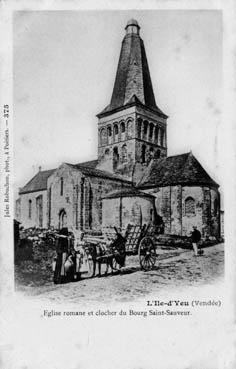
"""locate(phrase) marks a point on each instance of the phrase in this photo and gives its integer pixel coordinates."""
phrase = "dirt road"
(172, 269)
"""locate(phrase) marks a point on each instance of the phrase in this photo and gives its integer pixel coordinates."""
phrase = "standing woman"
(62, 246)
(81, 264)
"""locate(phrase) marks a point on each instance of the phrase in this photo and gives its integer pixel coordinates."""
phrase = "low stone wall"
(33, 263)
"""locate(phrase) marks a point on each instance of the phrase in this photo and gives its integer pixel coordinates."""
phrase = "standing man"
(195, 237)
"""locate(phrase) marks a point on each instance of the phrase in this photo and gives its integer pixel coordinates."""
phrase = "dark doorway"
(62, 219)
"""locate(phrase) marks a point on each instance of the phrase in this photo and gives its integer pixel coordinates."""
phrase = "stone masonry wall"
(176, 210)
(81, 199)
(126, 128)
(215, 213)
(136, 211)
(190, 220)
(120, 212)
(206, 212)
(170, 204)
(111, 212)
(32, 221)
(60, 201)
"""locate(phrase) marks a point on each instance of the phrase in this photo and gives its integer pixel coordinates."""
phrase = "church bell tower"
(132, 128)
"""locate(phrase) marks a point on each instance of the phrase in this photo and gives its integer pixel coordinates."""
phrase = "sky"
(64, 66)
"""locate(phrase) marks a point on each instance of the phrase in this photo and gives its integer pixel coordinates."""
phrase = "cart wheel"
(147, 253)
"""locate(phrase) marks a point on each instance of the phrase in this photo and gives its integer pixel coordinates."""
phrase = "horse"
(108, 254)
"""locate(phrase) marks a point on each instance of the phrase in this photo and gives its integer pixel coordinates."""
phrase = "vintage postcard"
(117, 185)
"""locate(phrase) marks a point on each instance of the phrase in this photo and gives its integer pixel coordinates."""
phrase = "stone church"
(133, 181)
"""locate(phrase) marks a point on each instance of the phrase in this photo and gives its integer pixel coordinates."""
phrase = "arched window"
(189, 206)
(109, 134)
(164, 138)
(122, 130)
(115, 157)
(145, 127)
(124, 153)
(107, 152)
(39, 210)
(139, 127)
(130, 128)
(151, 131)
(30, 209)
(156, 134)
(103, 136)
(116, 129)
(61, 186)
(88, 199)
(116, 132)
(62, 219)
(143, 154)
(215, 207)
(122, 127)
(109, 131)
(161, 137)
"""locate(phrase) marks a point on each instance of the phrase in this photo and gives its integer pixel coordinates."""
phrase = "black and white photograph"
(115, 170)
(129, 189)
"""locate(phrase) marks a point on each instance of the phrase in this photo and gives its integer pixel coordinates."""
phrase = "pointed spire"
(132, 76)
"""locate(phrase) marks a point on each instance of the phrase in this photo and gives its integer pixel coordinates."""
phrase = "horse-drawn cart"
(112, 248)
(140, 240)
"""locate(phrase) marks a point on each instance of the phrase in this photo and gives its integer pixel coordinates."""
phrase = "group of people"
(71, 259)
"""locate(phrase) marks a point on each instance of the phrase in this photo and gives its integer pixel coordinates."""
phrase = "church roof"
(133, 82)
(127, 192)
(91, 171)
(38, 182)
(90, 163)
(182, 169)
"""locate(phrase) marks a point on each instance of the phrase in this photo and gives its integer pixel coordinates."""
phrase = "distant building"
(33, 201)
(133, 180)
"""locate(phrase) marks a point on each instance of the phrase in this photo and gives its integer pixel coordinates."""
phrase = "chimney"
(40, 168)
